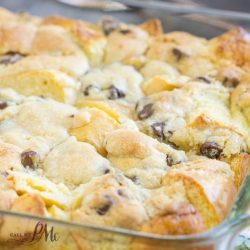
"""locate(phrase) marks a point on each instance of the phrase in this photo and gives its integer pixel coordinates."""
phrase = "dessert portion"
(120, 125)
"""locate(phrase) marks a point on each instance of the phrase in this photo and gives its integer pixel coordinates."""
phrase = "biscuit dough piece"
(74, 163)
(17, 37)
(10, 157)
(73, 65)
(160, 76)
(111, 200)
(33, 183)
(26, 203)
(91, 126)
(199, 179)
(240, 100)
(240, 165)
(232, 46)
(8, 195)
(129, 41)
(183, 51)
(115, 82)
(37, 124)
(140, 157)
(196, 114)
(86, 35)
(48, 83)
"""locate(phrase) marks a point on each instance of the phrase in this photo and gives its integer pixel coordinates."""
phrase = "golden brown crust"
(16, 38)
(200, 177)
(88, 36)
(240, 165)
(153, 27)
(53, 39)
(233, 46)
(182, 220)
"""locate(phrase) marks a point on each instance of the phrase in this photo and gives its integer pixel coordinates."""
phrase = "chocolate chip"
(104, 208)
(120, 192)
(158, 129)
(125, 31)
(211, 150)
(11, 58)
(72, 116)
(204, 79)
(3, 105)
(106, 171)
(178, 54)
(146, 112)
(109, 24)
(230, 82)
(115, 93)
(86, 90)
(30, 159)
(169, 160)
(134, 178)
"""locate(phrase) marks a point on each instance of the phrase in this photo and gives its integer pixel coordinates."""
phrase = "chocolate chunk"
(30, 159)
(11, 58)
(204, 79)
(104, 208)
(125, 31)
(178, 54)
(3, 105)
(169, 160)
(158, 129)
(109, 24)
(211, 150)
(146, 112)
(115, 93)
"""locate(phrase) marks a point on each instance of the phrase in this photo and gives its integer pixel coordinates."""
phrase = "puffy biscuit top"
(121, 125)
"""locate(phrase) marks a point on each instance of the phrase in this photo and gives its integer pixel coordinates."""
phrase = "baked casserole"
(121, 125)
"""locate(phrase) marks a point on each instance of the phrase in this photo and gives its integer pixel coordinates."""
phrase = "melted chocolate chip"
(211, 150)
(204, 79)
(30, 159)
(11, 58)
(178, 54)
(169, 160)
(3, 105)
(146, 112)
(109, 24)
(104, 208)
(158, 129)
(125, 31)
(72, 116)
(115, 93)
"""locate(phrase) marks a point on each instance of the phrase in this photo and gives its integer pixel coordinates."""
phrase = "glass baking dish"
(25, 231)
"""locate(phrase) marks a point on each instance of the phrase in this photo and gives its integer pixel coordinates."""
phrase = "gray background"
(206, 26)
